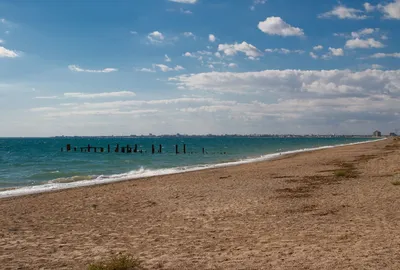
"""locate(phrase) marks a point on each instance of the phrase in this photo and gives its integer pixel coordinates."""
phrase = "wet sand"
(328, 209)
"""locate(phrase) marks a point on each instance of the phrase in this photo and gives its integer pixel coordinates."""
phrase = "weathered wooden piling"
(75, 149)
(88, 148)
(160, 149)
(68, 147)
(117, 148)
(176, 149)
(135, 149)
(153, 149)
(203, 151)
(128, 149)
(108, 148)
(184, 148)
(122, 149)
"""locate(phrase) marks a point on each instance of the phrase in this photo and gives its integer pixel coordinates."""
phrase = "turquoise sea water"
(35, 162)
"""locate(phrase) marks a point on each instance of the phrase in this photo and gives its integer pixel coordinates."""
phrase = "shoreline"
(10, 192)
(327, 209)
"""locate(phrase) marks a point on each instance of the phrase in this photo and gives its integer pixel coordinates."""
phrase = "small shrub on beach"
(340, 173)
(118, 262)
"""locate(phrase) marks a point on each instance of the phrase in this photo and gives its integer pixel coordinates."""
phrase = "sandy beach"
(328, 209)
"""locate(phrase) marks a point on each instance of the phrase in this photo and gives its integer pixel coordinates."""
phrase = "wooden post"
(95, 149)
(68, 147)
(88, 148)
(184, 148)
(117, 148)
(102, 149)
(160, 150)
(135, 149)
(176, 149)
(75, 149)
(203, 151)
(108, 148)
(122, 149)
(153, 150)
(128, 149)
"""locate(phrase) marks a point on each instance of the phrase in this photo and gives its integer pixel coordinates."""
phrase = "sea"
(33, 165)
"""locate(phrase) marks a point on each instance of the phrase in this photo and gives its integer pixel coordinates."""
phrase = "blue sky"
(199, 66)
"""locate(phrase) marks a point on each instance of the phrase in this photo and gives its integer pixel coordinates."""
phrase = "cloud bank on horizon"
(199, 67)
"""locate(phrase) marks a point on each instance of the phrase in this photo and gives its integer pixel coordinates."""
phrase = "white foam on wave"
(144, 173)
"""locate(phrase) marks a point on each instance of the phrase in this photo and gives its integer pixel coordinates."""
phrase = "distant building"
(377, 133)
(392, 134)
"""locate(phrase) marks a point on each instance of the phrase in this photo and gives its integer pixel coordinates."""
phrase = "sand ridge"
(297, 212)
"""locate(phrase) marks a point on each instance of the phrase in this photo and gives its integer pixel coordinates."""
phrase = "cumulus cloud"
(156, 37)
(232, 49)
(336, 52)
(284, 51)
(165, 68)
(276, 26)
(343, 12)
(313, 55)
(145, 70)
(364, 32)
(318, 47)
(232, 65)
(363, 43)
(368, 7)
(391, 10)
(211, 38)
(167, 59)
(6, 53)
(76, 68)
(100, 95)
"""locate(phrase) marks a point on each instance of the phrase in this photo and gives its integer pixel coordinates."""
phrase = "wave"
(82, 181)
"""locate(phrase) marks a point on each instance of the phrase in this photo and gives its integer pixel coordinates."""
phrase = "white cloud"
(145, 70)
(78, 69)
(295, 82)
(313, 55)
(184, 1)
(211, 38)
(133, 32)
(232, 65)
(276, 26)
(363, 43)
(384, 55)
(257, 2)
(284, 51)
(7, 53)
(232, 49)
(188, 54)
(336, 52)
(167, 59)
(384, 37)
(364, 32)
(156, 37)
(376, 66)
(318, 47)
(185, 11)
(165, 68)
(391, 10)
(189, 34)
(368, 7)
(47, 97)
(1, 41)
(100, 95)
(343, 12)
(43, 109)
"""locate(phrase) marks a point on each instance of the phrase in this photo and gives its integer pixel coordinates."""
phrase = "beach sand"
(328, 209)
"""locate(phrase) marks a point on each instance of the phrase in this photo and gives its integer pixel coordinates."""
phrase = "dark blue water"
(37, 161)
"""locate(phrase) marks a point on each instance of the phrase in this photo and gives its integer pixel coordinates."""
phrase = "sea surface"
(37, 164)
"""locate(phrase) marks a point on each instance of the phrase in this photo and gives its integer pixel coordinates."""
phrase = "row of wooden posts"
(122, 149)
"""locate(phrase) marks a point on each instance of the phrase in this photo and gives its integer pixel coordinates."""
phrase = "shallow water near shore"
(37, 164)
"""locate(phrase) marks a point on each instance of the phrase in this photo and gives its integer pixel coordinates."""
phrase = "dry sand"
(291, 213)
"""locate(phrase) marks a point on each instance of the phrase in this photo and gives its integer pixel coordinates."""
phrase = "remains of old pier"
(128, 149)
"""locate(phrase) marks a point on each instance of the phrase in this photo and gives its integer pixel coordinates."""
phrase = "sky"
(126, 67)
